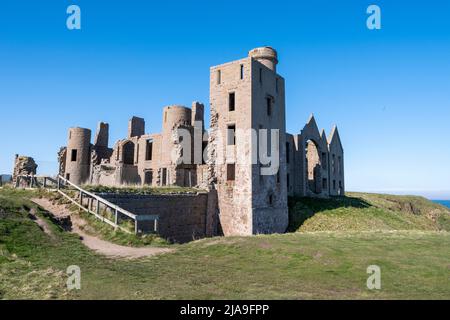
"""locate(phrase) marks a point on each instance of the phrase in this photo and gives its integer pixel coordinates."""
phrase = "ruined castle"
(247, 105)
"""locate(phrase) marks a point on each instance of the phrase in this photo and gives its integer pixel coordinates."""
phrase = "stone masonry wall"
(182, 216)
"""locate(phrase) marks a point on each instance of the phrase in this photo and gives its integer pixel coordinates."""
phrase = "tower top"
(266, 55)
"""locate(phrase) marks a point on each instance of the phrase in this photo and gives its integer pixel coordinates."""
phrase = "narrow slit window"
(219, 77)
(260, 75)
(287, 152)
(270, 200)
(231, 172)
(242, 72)
(324, 160)
(231, 101)
(74, 155)
(231, 135)
(269, 106)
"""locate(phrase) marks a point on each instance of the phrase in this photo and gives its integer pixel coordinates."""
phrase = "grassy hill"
(297, 265)
(367, 212)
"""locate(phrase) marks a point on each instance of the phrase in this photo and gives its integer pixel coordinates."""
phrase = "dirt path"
(94, 243)
(41, 223)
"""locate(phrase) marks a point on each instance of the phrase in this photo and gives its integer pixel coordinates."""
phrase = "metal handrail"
(108, 204)
(61, 181)
(101, 200)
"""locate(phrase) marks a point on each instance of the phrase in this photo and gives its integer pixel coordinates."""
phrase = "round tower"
(78, 158)
(174, 116)
(266, 55)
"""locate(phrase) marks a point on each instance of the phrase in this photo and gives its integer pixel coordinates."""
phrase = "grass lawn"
(299, 265)
(143, 190)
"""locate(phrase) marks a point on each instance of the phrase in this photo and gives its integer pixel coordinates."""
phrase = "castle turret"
(174, 116)
(265, 55)
(78, 155)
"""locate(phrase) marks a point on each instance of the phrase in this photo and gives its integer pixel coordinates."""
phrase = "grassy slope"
(102, 230)
(368, 212)
(142, 190)
(415, 264)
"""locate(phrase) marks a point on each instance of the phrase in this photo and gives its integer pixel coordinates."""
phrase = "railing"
(32, 181)
(89, 202)
(92, 204)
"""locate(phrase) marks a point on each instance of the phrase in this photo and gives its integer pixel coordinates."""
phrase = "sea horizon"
(445, 203)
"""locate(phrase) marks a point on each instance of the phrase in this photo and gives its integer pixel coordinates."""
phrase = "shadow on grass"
(301, 209)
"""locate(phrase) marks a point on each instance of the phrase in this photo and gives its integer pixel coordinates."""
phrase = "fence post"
(135, 226)
(98, 207)
(116, 218)
(156, 226)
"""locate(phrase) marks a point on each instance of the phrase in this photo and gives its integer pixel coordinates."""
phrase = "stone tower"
(174, 117)
(136, 127)
(78, 155)
(246, 96)
(102, 135)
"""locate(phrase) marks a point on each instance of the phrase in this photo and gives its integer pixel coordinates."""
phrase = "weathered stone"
(24, 166)
(62, 159)
(246, 96)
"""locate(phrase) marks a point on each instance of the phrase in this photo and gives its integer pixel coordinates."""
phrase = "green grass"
(104, 231)
(142, 190)
(415, 264)
(367, 212)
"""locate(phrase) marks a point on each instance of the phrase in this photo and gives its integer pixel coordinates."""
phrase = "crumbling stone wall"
(248, 202)
(62, 159)
(24, 166)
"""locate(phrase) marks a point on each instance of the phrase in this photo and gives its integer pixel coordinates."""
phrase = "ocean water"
(443, 202)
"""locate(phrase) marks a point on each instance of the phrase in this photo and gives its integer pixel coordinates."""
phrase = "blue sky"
(387, 90)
